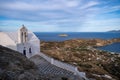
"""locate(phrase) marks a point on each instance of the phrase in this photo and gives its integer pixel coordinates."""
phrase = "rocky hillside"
(97, 64)
(15, 66)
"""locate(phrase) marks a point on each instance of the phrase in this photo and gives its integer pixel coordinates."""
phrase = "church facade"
(22, 41)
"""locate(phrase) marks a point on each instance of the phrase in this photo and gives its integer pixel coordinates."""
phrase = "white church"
(22, 41)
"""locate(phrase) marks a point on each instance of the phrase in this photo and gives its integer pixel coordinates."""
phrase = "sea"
(54, 36)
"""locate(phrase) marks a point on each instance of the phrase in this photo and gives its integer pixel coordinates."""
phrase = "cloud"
(89, 4)
(47, 9)
(58, 15)
(48, 5)
(52, 26)
(102, 25)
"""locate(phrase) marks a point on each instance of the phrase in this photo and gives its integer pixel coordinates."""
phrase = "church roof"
(31, 36)
(13, 36)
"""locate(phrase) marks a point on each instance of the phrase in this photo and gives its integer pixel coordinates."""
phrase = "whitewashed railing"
(46, 57)
(65, 66)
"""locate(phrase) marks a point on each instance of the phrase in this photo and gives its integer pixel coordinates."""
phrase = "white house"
(22, 41)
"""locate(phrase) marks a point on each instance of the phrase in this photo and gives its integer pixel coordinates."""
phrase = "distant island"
(63, 35)
(114, 31)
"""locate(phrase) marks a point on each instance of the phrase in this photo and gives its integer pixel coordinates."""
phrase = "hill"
(15, 66)
(114, 31)
(97, 64)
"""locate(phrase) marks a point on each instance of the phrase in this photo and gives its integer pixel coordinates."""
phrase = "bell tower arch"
(22, 34)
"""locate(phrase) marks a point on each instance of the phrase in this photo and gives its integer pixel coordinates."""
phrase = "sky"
(60, 15)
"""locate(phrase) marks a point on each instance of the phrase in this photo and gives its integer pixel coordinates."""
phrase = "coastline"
(112, 48)
(81, 53)
(53, 36)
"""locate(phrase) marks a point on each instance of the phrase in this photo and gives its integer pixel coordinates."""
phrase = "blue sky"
(60, 15)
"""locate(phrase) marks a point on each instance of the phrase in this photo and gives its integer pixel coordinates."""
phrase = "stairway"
(49, 69)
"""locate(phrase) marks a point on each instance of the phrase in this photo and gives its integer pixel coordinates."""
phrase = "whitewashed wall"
(20, 48)
(65, 65)
(34, 45)
(47, 58)
(33, 40)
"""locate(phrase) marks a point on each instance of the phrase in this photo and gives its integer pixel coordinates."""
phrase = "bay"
(54, 36)
(115, 47)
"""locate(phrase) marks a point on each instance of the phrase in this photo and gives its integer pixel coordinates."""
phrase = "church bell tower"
(22, 34)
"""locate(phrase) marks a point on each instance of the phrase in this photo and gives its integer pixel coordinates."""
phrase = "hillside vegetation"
(100, 65)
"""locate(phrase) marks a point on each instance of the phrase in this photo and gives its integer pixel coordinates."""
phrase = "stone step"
(48, 69)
